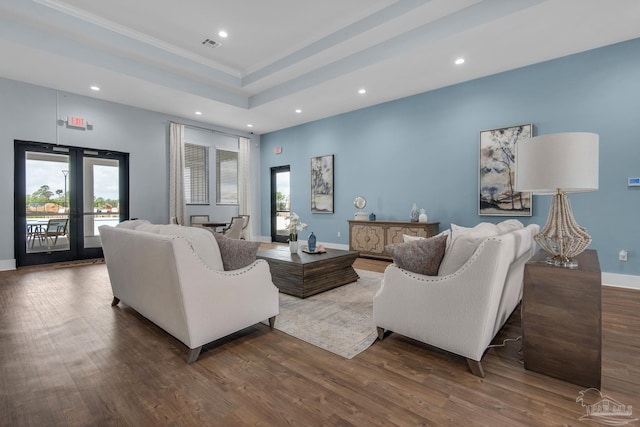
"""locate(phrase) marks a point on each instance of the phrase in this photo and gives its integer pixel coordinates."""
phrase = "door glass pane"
(47, 202)
(101, 197)
(283, 203)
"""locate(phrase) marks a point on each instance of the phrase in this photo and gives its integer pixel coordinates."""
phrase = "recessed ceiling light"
(459, 61)
(223, 34)
(362, 91)
(198, 113)
(298, 111)
(249, 125)
(96, 88)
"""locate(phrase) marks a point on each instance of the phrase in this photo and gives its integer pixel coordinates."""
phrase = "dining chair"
(245, 223)
(234, 230)
(198, 220)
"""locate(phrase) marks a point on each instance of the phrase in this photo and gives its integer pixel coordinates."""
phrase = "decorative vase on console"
(414, 213)
(311, 242)
(423, 216)
(293, 246)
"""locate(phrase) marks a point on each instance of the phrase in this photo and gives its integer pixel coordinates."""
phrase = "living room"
(419, 149)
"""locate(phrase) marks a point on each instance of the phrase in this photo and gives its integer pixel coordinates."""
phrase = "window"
(196, 174)
(226, 177)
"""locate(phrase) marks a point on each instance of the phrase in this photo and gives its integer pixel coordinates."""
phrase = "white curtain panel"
(177, 207)
(244, 184)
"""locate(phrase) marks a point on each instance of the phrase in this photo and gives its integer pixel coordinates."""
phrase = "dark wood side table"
(561, 319)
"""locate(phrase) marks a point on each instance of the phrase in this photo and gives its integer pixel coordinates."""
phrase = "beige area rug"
(339, 320)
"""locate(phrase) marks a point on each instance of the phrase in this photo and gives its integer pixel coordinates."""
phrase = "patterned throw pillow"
(236, 253)
(420, 256)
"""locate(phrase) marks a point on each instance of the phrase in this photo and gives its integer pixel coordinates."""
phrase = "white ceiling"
(282, 55)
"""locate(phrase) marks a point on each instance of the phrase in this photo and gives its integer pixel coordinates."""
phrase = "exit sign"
(76, 122)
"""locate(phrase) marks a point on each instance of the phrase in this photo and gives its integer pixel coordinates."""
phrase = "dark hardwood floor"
(68, 358)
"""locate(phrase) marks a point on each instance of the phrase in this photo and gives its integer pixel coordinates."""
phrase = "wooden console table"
(561, 319)
(370, 237)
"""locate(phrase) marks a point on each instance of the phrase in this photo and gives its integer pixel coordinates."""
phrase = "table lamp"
(558, 164)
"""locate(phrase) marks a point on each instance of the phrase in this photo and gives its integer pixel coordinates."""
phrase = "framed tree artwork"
(322, 184)
(497, 195)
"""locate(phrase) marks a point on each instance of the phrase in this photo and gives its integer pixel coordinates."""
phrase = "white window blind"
(196, 174)
(226, 177)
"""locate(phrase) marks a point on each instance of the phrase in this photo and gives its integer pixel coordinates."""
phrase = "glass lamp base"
(562, 262)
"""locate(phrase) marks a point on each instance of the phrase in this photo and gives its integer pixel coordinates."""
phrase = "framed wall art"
(322, 184)
(497, 195)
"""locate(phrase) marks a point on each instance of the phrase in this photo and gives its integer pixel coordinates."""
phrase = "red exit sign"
(76, 122)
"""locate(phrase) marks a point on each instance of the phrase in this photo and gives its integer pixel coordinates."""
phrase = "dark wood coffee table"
(302, 274)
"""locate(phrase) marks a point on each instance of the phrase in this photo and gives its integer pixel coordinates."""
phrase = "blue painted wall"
(424, 149)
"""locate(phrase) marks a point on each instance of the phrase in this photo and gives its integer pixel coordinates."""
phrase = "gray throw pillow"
(236, 253)
(420, 256)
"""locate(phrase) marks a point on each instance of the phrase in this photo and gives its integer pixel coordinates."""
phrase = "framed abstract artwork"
(497, 195)
(322, 184)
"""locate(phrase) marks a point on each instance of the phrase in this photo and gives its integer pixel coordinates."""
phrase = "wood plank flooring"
(68, 358)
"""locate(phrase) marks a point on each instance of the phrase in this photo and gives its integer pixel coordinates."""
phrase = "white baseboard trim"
(621, 280)
(7, 264)
(335, 246)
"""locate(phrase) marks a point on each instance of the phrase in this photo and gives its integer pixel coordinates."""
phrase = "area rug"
(339, 320)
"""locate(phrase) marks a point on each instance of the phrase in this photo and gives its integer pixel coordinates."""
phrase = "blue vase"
(311, 241)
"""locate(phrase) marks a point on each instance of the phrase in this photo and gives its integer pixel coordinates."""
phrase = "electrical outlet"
(622, 255)
(339, 234)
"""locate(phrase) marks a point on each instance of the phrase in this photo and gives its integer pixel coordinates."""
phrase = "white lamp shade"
(565, 161)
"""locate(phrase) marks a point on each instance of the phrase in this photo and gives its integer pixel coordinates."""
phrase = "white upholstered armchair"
(460, 312)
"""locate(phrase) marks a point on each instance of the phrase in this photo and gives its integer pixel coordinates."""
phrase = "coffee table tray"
(306, 250)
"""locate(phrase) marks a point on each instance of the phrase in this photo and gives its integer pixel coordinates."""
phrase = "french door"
(280, 203)
(62, 195)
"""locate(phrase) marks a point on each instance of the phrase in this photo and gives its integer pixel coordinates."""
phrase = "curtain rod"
(211, 130)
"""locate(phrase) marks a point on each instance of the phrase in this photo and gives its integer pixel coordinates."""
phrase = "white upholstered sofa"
(462, 308)
(174, 276)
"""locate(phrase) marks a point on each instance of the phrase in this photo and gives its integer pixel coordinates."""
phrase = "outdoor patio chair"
(55, 228)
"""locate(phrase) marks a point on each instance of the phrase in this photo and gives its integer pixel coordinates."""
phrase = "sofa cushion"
(236, 253)
(149, 228)
(407, 238)
(464, 242)
(132, 223)
(421, 256)
(201, 240)
(509, 225)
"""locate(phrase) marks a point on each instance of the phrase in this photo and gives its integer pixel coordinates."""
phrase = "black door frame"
(274, 205)
(76, 251)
